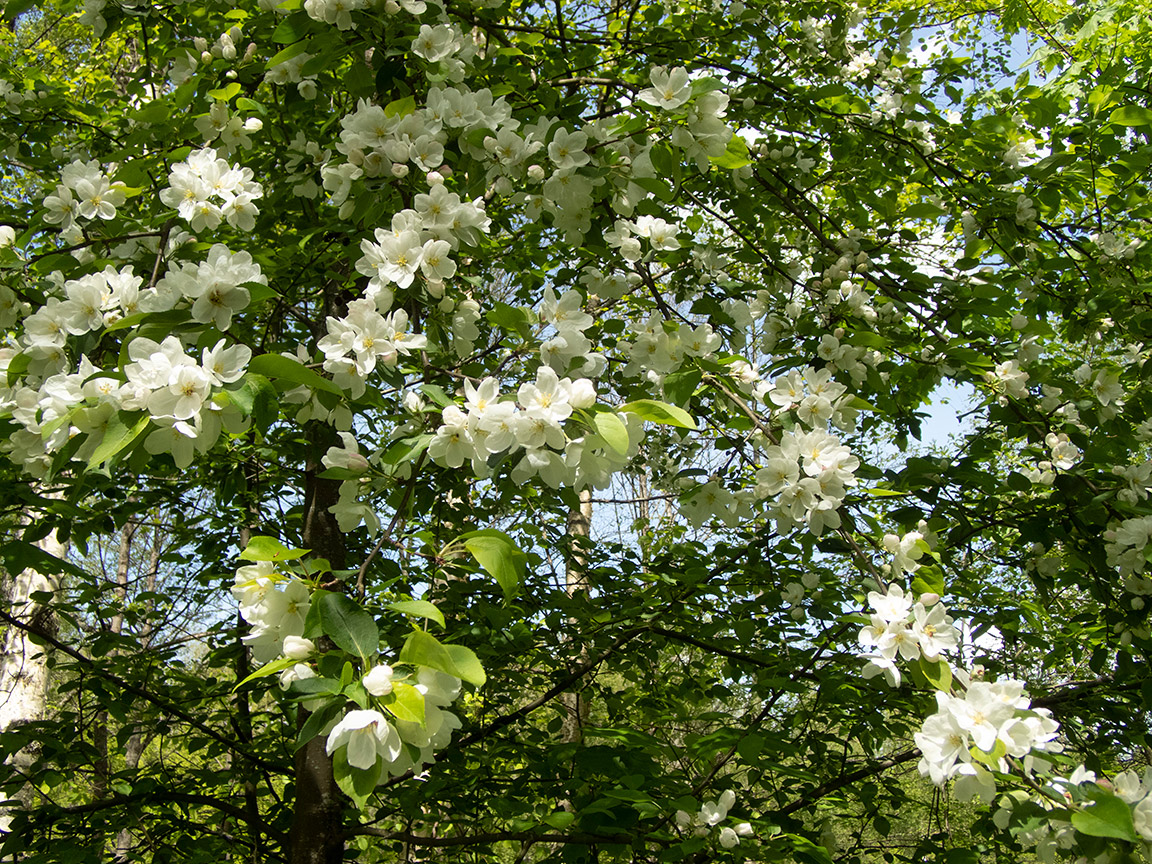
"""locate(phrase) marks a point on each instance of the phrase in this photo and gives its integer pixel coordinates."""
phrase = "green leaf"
(512, 319)
(735, 155)
(346, 624)
(406, 449)
(13, 8)
(659, 412)
(561, 819)
(1108, 816)
(270, 549)
(225, 94)
(246, 104)
(999, 750)
(17, 367)
(938, 673)
(407, 703)
(436, 394)
(1018, 482)
(400, 107)
(929, 579)
(292, 28)
(1131, 115)
(287, 369)
(123, 428)
(286, 54)
(270, 668)
(423, 649)
(418, 608)
(611, 428)
(660, 188)
(317, 720)
(499, 555)
(357, 783)
(20, 555)
(679, 386)
(923, 210)
(664, 160)
(256, 398)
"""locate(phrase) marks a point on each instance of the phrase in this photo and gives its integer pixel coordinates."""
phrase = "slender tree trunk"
(24, 664)
(103, 768)
(316, 835)
(575, 579)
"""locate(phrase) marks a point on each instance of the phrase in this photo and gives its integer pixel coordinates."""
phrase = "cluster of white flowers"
(1048, 836)
(274, 605)
(1113, 247)
(231, 129)
(349, 511)
(1139, 480)
(534, 424)
(383, 141)
(1026, 214)
(363, 338)
(335, 12)
(1125, 550)
(291, 71)
(656, 346)
(1104, 384)
(814, 396)
(215, 286)
(13, 100)
(52, 403)
(994, 718)
(810, 474)
(670, 88)
(711, 814)
(1009, 380)
(794, 594)
(1136, 791)
(660, 234)
(420, 241)
(567, 318)
(370, 738)
(84, 192)
(205, 189)
(1064, 455)
(378, 142)
(901, 625)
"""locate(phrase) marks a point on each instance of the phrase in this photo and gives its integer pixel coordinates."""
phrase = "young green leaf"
(423, 649)
(346, 624)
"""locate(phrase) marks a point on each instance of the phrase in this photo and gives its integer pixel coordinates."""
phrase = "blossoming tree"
(551, 372)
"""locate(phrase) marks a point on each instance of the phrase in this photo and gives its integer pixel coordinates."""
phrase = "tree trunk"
(316, 835)
(138, 741)
(575, 579)
(24, 664)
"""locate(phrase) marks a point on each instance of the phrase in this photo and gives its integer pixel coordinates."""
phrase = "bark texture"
(317, 832)
(24, 664)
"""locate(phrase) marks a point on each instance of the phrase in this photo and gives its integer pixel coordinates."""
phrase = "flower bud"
(298, 648)
(582, 394)
(378, 682)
